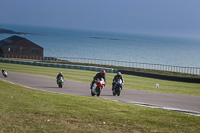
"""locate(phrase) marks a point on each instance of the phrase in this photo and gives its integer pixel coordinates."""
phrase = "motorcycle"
(97, 87)
(60, 82)
(117, 88)
(5, 74)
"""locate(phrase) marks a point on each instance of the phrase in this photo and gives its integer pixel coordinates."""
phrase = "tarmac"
(166, 101)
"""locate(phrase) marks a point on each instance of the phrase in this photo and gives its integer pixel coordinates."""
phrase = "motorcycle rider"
(3, 70)
(116, 78)
(99, 75)
(59, 75)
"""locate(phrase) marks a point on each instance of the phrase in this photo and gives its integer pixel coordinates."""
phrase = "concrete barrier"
(69, 66)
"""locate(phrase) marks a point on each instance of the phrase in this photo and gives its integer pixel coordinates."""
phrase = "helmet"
(60, 72)
(103, 71)
(3, 69)
(118, 73)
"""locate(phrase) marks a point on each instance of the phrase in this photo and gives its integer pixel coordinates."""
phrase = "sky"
(167, 17)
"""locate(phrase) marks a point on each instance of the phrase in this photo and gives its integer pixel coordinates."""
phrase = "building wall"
(23, 49)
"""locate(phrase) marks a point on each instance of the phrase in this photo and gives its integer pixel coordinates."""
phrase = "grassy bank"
(116, 67)
(28, 110)
(132, 82)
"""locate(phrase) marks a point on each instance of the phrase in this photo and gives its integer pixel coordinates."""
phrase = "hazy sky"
(138, 16)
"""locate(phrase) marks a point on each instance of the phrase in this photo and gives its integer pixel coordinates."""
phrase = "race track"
(182, 103)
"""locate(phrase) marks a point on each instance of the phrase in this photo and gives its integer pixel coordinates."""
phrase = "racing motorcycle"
(97, 87)
(5, 74)
(60, 82)
(117, 87)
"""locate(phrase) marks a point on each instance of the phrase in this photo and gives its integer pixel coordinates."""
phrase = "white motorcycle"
(60, 82)
(97, 87)
(5, 74)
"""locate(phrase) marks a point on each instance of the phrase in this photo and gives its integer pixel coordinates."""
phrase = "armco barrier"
(164, 77)
(90, 68)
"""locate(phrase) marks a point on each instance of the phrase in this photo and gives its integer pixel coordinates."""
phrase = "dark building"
(19, 47)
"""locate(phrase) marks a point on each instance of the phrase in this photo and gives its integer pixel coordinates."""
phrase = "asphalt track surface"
(181, 103)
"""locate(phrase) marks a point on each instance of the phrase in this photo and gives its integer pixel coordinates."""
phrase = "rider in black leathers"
(3, 70)
(99, 76)
(118, 76)
(59, 75)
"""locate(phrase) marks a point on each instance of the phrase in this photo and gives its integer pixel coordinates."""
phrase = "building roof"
(10, 40)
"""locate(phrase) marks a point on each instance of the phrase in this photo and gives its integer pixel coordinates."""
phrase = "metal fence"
(160, 67)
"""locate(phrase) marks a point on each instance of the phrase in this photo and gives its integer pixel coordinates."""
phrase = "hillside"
(5, 31)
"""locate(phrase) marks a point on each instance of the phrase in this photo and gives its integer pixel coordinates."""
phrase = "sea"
(61, 42)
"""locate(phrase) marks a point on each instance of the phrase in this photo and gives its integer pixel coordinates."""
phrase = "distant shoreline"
(94, 37)
(5, 31)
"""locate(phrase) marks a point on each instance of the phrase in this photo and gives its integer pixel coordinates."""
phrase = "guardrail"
(90, 68)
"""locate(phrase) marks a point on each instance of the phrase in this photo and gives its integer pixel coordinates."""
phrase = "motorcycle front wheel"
(60, 85)
(92, 93)
(118, 91)
(98, 91)
(114, 92)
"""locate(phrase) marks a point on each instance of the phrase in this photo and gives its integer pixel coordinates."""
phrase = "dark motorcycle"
(117, 87)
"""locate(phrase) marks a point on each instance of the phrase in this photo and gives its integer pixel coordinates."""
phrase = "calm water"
(112, 46)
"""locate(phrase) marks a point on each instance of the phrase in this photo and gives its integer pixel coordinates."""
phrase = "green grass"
(28, 110)
(132, 82)
(110, 66)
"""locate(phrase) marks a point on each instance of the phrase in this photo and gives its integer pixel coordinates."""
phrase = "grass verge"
(111, 66)
(27, 110)
(132, 82)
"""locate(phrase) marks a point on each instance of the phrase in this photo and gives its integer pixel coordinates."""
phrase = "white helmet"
(60, 72)
(118, 73)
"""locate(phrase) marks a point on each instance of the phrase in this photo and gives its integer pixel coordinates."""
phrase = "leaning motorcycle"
(97, 87)
(5, 74)
(60, 82)
(117, 87)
